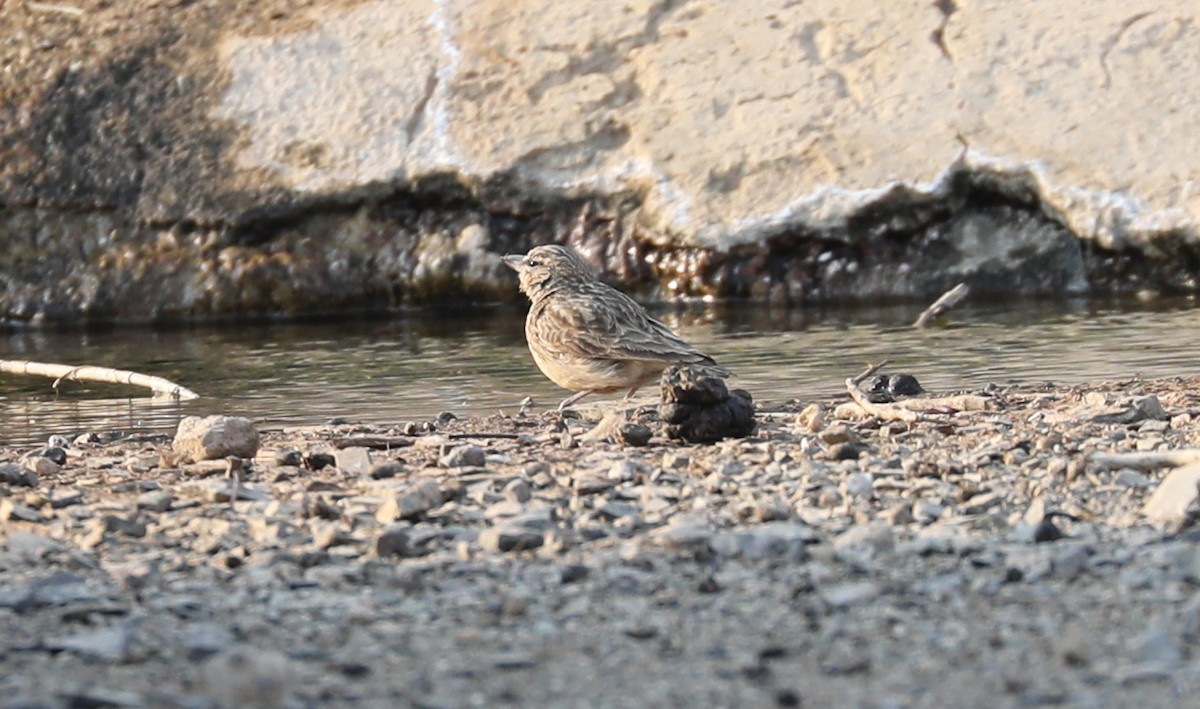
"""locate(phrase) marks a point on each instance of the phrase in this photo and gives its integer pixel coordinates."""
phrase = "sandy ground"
(985, 557)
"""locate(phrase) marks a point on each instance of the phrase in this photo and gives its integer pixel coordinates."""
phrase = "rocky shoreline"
(996, 557)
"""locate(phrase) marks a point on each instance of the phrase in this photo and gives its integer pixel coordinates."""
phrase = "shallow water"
(414, 367)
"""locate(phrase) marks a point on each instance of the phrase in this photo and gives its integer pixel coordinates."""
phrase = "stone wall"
(164, 160)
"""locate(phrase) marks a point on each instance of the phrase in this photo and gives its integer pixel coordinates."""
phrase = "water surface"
(412, 368)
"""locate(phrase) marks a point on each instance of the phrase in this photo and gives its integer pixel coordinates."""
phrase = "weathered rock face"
(175, 161)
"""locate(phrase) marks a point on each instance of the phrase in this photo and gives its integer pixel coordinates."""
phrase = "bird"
(589, 337)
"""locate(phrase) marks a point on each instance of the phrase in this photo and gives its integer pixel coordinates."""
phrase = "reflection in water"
(410, 369)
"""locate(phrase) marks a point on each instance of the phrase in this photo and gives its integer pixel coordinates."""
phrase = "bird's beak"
(514, 261)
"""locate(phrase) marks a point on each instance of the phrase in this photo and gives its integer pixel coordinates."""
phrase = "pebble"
(876, 537)
(413, 503)
(45, 467)
(61, 499)
(510, 537)
(633, 434)
(387, 470)
(202, 640)
(850, 594)
(517, 490)
(393, 541)
(1171, 502)
(353, 460)
(463, 456)
(10, 510)
(111, 644)
(155, 501)
(18, 475)
(214, 437)
(246, 676)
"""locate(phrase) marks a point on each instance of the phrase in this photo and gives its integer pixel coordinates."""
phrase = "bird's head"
(547, 267)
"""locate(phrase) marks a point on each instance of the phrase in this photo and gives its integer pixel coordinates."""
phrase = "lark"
(589, 337)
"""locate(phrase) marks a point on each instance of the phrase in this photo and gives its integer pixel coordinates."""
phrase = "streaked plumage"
(587, 336)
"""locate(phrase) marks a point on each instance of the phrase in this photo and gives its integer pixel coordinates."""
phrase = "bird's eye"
(532, 263)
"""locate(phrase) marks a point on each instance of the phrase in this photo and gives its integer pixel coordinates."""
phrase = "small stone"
(329, 534)
(1127, 477)
(981, 503)
(1047, 531)
(393, 541)
(93, 697)
(514, 661)
(517, 490)
(875, 537)
(850, 594)
(838, 434)
(848, 450)
(10, 510)
(60, 499)
(633, 434)
(245, 676)
(927, 511)
(810, 420)
(617, 510)
(777, 539)
(684, 535)
(214, 437)
(318, 461)
(203, 640)
(354, 460)
(222, 491)
(290, 457)
(573, 573)
(1173, 499)
(387, 470)
(904, 385)
(592, 485)
(18, 475)
(111, 644)
(675, 461)
(130, 527)
(415, 502)
(1160, 648)
(155, 501)
(625, 470)
(463, 457)
(45, 467)
(509, 538)
(899, 514)
(537, 518)
(860, 485)
(503, 509)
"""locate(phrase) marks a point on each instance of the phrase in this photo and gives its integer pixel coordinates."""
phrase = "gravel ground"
(967, 558)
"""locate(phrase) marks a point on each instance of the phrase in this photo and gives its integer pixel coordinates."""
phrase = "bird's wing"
(596, 321)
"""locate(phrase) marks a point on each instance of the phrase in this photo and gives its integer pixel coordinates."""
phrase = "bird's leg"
(632, 390)
(573, 398)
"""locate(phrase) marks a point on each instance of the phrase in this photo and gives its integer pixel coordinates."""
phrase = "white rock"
(214, 437)
(1168, 506)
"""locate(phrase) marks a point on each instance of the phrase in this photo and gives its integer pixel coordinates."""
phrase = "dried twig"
(868, 372)
(373, 442)
(1148, 461)
(948, 300)
(883, 411)
(886, 412)
(160, 386)
(52, 7)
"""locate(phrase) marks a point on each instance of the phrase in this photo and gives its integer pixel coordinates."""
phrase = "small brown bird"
(587, 336)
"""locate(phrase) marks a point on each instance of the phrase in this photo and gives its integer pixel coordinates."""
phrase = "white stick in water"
(160, 386)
